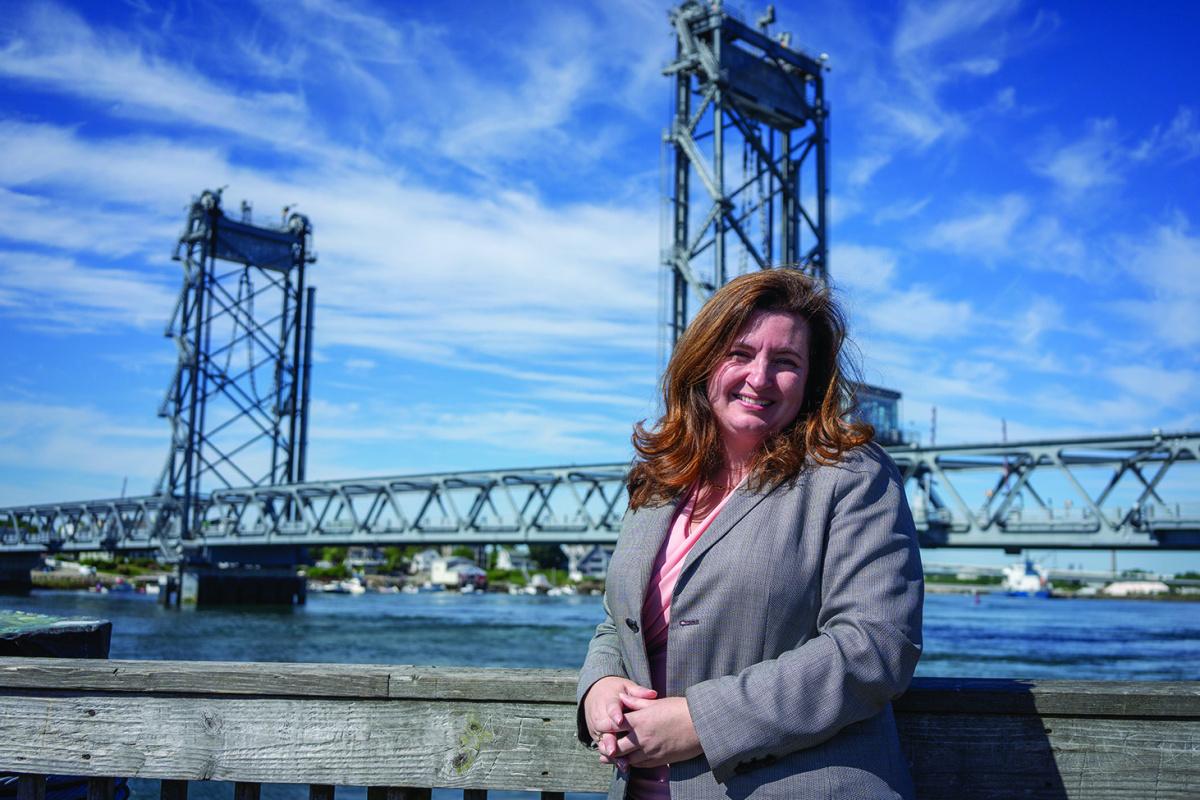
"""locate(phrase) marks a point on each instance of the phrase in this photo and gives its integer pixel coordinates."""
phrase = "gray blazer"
(796, 619)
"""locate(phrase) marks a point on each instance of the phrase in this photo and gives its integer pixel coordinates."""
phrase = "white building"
(1135, 588)
(588, 561)
(455, 571)
(517, 558)
(423, 561)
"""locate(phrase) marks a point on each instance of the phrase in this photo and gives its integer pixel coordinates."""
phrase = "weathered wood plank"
(289, 680)
(461, 683)
(1177, 699)
(393, 727)
(927, 695)
(461, 744)
(31, 787)
(195, 677)
(991, 757)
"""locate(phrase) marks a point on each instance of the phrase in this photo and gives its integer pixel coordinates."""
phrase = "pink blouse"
(654, 783)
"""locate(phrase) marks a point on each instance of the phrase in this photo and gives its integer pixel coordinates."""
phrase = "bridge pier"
(14, 572)
(245, 576)
(239, 586)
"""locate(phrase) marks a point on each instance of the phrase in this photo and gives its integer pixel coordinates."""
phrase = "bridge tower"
(238, 399)
(749, 146)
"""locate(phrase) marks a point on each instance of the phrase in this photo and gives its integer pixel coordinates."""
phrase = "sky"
(1015, 225)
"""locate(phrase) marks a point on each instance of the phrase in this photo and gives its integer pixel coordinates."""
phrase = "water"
(994, 637)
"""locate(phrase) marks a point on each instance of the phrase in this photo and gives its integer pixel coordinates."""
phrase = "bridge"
(1131, 492)
(234, 488)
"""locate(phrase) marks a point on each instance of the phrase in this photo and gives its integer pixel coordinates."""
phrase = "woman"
(763, 604)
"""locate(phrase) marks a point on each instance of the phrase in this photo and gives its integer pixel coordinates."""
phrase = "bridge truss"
(749, 143)
(237, 401)
(1133, 492)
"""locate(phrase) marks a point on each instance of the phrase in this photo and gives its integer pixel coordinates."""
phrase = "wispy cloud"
(927, 24)
(57, 50)
(1166, 264)
(984, 233)
(59, 294)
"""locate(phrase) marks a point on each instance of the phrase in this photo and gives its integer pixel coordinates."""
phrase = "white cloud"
(57, 50)
(80, 441)
(865, 167)
(985, 234)
(901, 210)
(1155, 385)
(1093, 161)
(1166, 263)
(917, 313)
(58, 293)
(1042, 314)
(925, 25)
(862, 267)
(1179, 141)
(360, 364)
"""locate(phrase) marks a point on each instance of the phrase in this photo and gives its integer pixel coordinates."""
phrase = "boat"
(1026, 580)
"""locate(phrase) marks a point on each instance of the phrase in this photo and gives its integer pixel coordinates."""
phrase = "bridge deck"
(1116, 492)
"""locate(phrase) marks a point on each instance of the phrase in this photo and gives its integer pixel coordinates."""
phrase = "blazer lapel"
(653, 524)
(650, 527)
(741, 504)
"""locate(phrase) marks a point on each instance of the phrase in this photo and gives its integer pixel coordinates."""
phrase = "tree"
(548, 556)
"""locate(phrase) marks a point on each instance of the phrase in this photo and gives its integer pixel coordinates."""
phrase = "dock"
(403, 730)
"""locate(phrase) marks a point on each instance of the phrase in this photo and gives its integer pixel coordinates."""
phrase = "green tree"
(548, 556)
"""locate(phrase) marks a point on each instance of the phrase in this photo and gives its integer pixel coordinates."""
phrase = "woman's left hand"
(659, 732)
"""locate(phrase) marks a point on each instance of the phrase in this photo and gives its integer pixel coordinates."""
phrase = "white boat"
(1027, 580)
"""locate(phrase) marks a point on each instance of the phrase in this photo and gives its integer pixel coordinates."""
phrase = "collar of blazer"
(651, 525)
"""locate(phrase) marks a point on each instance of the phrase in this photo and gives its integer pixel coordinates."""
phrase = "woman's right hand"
(604, 713)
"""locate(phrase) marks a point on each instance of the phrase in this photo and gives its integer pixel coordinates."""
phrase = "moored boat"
(1027, 580)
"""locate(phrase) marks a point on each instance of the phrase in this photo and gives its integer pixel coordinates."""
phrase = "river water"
(988, 636)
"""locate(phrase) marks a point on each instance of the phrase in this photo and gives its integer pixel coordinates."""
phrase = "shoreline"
(71, 581)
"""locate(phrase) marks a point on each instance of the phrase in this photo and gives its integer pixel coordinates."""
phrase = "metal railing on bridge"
(1116, 492)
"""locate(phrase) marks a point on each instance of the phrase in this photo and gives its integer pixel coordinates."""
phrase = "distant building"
(1135, 588)
(456, 571)
(589, 562)
(423, 561)
(517, 558)
(881, 408)
(366, 560)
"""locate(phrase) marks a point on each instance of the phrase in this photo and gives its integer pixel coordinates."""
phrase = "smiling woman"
(764, 599)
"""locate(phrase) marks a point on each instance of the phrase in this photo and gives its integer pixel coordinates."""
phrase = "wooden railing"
(401, 730)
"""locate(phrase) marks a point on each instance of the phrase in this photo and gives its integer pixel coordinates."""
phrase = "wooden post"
(31, 787)
(173, 790)
(100, 789)
(243, 790)
(320, 791)
(398, 793)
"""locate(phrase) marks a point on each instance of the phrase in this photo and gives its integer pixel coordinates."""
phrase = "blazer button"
(633, 626)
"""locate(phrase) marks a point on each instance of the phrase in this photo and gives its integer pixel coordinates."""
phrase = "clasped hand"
(633, 727)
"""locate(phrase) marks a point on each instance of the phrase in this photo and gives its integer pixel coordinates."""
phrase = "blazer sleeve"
(868, 634)
(603, 659)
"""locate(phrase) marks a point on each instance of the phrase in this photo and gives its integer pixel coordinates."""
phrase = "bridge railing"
(1113, 492)
(401, 731)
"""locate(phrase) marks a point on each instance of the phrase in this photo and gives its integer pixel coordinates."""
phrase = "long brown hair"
(684, 446)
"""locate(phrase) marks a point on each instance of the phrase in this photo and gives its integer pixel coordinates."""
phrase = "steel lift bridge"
(748, 140)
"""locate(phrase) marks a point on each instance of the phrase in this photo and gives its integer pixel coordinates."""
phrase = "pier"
(403, 730)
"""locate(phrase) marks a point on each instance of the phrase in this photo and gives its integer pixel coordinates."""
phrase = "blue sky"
(1015, 218)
